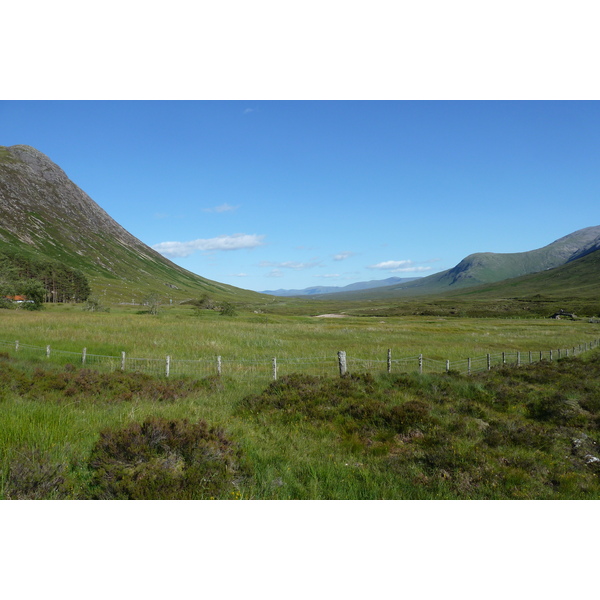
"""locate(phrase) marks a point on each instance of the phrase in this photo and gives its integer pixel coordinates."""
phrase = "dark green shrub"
(414, 413)
(161, 459)
(33, 476)
(228, 310)
(556, 409)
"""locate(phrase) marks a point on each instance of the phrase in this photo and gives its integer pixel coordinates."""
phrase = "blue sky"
(289, 194)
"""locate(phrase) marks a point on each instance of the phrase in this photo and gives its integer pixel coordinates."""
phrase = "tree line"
(40, 279)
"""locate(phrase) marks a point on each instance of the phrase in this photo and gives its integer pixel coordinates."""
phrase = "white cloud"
(222, 208)
(275, 273)
(237, 241)
(343, 255)
(239, 275)
(296, 266)
(391, 264)
(329, 276)
(399, 266)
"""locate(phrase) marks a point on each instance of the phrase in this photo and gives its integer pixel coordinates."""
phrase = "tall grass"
(179, 334)
(504, 434)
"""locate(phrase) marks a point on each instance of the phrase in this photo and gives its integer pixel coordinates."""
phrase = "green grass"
(180, 334)
(511, 433)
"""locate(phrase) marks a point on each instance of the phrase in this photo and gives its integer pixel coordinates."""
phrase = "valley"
(92, 408)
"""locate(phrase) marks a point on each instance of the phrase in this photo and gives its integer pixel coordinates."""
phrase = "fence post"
(122, 361)
(530, 357)
(219, 366)
(559, 353)
(504, 358)
(168, 366)
(274, 369)
(83, 355)
(342, 362)
(420, 364)
(550, 354)
(389, 360)
(489, 362)
(518, 359)
(468, 366)
(447, 366)
(17, 346)
(48, 351)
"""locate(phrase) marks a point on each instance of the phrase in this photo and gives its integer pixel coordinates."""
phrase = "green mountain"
(489, 267)
(579, 278)
(45, 215)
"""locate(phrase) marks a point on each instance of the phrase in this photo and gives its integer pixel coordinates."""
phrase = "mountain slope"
(324, 289)
(488, 267)
(43, 213)
(578, 278)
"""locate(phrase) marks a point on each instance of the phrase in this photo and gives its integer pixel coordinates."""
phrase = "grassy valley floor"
(531, 432)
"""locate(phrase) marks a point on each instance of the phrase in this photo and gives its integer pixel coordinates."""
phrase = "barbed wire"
(272, 367)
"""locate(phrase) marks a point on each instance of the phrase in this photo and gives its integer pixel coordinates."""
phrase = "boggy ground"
(514, 433)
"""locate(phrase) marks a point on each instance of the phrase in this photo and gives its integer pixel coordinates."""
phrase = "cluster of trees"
(40, 280)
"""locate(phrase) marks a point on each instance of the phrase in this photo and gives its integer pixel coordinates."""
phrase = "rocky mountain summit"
(43, 213)
(40, 205)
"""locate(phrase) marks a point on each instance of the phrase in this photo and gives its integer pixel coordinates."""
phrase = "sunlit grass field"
(178, 332)
(364, 449)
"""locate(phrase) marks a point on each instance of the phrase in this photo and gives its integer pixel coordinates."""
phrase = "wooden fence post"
(219, 366)
(420, 364)
(83, 355)
(389, 360)
(274, 369)
(468, 366)
(518, 359)
(342, 362)
(489, 362)
(17, 346)
(48, 351)
(168, 366)
(447, 366)
(550, 354)
(504, 358)
(122, 361)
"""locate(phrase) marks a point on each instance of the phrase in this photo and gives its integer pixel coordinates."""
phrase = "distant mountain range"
(489, 267)
(44, 214)
(323, 289)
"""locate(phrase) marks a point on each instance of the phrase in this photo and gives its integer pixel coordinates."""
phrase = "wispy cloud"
(237, 241)
(221, 208)
(296, 266)
(275, 273)
(330, 276)
(343, 255)
(247, 111)
(399, 266)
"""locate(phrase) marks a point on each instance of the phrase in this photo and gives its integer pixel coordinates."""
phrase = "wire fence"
(273, 368)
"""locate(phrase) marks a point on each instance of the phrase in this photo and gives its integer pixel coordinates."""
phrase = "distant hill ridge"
(43, 213)
(489, 267)
(324, 289)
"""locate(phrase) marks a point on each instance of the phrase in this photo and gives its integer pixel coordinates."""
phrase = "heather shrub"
(352, 404)
(164, 459)
(32, 475)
